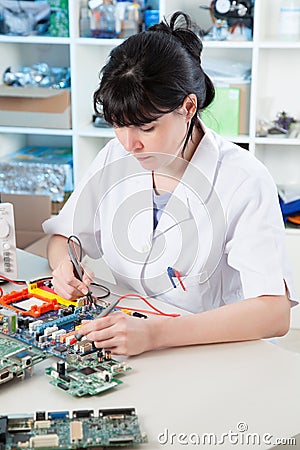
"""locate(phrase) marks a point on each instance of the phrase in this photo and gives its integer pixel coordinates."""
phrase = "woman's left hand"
(119, 332)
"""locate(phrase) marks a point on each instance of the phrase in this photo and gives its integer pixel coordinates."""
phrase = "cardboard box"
(35, 107)
(30, 212)
(244, 106)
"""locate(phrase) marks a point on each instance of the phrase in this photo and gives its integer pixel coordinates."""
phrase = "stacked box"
(34, 106)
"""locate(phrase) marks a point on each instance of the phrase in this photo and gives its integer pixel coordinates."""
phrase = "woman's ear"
(189, 106)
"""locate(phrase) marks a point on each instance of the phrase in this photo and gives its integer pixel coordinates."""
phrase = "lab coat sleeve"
(255, 244)
(80, 215)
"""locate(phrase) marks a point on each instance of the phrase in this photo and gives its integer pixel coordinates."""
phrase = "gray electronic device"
(8, 255)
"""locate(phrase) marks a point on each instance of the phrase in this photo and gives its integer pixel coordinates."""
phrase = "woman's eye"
(147, 130)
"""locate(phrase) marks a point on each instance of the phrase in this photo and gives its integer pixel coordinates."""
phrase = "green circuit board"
(66, 431)
(89, 374)
(17, 358)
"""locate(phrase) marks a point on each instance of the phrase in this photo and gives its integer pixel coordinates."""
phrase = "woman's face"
(159, 143)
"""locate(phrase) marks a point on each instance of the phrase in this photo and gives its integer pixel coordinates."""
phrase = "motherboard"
(36, 323)
(64, 430)
(17, 358)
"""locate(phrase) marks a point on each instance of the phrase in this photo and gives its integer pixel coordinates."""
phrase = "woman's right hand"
(66, 284)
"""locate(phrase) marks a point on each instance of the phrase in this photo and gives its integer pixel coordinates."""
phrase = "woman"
(169, 199)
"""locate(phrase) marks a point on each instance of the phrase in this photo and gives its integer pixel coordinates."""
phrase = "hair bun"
(183, 29)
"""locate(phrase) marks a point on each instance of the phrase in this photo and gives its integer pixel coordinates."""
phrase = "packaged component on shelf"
(32, 106)
(22, 18)
(39, 74)
(38, 170)
(151, 17)
(59, 18)
(289, 200)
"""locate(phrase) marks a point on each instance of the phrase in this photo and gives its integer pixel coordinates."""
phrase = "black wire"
(75, 239)
(102, 287)
(4, 279)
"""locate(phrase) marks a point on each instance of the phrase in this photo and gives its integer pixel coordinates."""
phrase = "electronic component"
(71, 430)
(10, 317)
(88, 377)
(16, 357)
(28, 304)
(44, 289)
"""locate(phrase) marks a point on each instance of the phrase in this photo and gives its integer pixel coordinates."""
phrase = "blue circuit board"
(87, 370)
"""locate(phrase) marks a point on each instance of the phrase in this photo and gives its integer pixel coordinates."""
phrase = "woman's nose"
(131, 141)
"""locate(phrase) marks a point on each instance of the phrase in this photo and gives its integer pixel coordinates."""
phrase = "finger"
(100, 324)
(100, 336)
(88, 275)
(113, 345)
(65, 290)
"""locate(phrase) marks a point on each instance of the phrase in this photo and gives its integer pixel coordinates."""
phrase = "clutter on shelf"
(100, 122)
(23, 18)
(39, 74)
(289, 199)
(289, 20)
(40, 17)
(230, 20)
(283, 126)
(116, 18)
(38, 170)
(284, 121)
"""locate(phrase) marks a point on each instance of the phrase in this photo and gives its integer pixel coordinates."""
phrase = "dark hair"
(151, 73)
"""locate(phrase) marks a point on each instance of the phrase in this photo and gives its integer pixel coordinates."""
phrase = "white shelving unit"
(275, 87)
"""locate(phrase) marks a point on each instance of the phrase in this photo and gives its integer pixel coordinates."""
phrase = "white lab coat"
(222, 228)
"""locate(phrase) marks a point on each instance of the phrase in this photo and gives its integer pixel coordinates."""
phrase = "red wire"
(2, 277)
(158, 311)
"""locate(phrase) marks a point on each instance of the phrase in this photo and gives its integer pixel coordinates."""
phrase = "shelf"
(91, 131)
(99, 42)
(228, 44)
(277, 141)
(34, 40)
(42, 131)
(292, 231)
(240, 139)
(287, 45)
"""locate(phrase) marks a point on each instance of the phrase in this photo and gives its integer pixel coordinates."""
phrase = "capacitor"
(61, 367)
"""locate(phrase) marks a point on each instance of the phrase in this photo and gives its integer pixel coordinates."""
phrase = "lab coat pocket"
(196, 297)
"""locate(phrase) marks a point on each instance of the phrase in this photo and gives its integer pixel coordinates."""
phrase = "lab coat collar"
(196, 184)
(207, 155)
